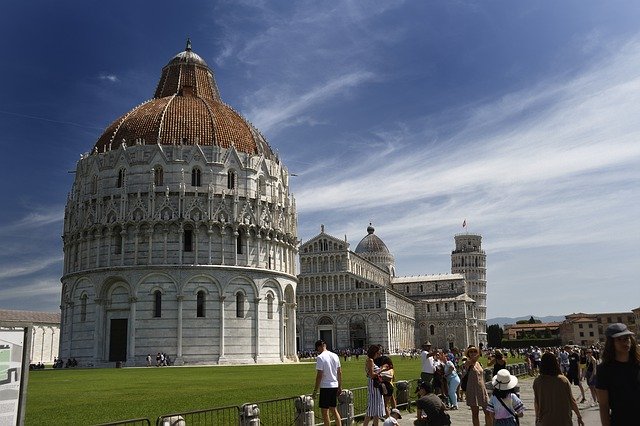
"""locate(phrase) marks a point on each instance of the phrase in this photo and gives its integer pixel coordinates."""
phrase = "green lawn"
(91, 396)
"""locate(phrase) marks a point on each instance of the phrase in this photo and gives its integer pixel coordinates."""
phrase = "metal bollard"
(250, 415)
(173, 421)
(402, 394)
(345, 407)
(304, 408)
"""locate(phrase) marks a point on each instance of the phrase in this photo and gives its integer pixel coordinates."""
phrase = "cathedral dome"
(371, 244)
(186, 109)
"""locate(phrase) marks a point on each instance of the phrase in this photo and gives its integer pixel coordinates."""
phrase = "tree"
(494, 336)
(532, 320)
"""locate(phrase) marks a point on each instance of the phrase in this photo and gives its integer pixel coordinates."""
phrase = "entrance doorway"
(118, 340)
(327, 336)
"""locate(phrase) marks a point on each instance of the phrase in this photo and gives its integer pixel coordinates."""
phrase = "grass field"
(92, 396)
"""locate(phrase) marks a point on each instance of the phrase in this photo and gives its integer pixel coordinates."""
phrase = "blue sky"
(521, 117)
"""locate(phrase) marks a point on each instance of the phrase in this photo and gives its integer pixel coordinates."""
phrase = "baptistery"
(180, 235)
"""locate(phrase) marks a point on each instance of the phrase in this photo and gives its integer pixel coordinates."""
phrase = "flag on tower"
(464, 224)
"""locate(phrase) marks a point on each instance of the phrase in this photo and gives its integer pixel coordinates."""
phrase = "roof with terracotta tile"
(7, 315)
(186, 109)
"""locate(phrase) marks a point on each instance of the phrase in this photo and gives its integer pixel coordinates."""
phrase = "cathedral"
(352, 299)
(180, 235)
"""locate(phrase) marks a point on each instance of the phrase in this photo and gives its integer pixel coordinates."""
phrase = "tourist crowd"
(610, 373)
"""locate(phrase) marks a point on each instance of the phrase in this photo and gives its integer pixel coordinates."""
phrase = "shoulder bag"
(515, 416)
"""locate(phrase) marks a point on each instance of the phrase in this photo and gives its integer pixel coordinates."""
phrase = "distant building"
(541, 330)
(45, 332)
(352, 299)
(588, 329)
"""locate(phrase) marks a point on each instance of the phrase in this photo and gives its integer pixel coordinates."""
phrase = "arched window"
(83, 308)
(122, 173)
(157, 305)
(239, 305)
(231, 179)
(188, 240)
(200, 304)
(117, 242)
(196, 177)
(158, 176)
(421, 288)
(270, 306)
(239, 243)
(262, 185)
(428, 308)
(432, 330)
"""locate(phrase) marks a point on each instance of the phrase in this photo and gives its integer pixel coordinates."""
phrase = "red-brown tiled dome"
(186, 109)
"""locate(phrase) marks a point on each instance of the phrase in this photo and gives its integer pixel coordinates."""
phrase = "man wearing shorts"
(329, 380)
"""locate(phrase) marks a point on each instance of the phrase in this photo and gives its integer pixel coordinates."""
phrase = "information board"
(13, 369)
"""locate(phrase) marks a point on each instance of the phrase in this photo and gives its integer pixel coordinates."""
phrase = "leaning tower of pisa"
(469, 259)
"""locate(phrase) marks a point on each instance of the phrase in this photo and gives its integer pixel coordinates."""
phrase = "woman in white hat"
(504, 405)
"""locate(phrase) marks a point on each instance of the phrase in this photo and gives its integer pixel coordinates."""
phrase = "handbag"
(463, 382)
(387, 375)
(509, 410)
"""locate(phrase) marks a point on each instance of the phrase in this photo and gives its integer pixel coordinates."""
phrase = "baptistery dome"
(180, 235)
(186, 109)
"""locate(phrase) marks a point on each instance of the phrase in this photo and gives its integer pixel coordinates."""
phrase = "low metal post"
(402, 394)
(250, 415)
(304, 409)
(345, 407)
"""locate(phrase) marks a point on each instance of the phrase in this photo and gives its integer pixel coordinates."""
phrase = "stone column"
(235, 251)
(166, 242)
(180, 243)
(98, 239)
(178, 360)
(123, 234)
(222, 356)
(282, 330)
(150, 245)
(258, 247)
(210, 234)
(136, 234)
(69, 313)
(98, 331)
(256, 301)
(131, 346)
(292, 325)
(222, 234)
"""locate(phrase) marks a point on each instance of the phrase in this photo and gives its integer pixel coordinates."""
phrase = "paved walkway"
(462, 416)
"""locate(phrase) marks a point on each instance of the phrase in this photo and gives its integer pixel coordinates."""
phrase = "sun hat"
(504, 380)
(470, 348)
(396, 411)
(618, 330)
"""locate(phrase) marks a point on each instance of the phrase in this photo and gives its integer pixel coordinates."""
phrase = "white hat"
(396, 411)
(504, 380)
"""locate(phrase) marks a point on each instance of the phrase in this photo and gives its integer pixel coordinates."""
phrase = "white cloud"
(36, 219)
(18, 269)
(280, 111)
(109, 77)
